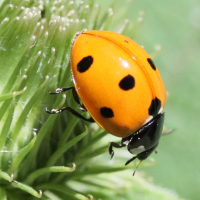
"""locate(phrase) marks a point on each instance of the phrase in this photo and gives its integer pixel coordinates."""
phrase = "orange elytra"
(100, 60)
(121, 88)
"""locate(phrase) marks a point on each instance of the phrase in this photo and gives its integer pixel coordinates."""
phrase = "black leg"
(60, 90)
(130, 160)
(114, 144)
(75, 96)
(56, 111)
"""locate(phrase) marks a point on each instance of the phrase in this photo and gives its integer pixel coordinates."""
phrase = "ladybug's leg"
(75, 95)
(130, 160)
(60, 90)
(114, 144)
(76, 98)
(56, 111)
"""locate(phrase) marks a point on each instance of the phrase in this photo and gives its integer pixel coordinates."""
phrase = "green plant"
(38, 151)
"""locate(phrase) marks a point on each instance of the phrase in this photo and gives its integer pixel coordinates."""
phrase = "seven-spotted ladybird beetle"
(121, 88)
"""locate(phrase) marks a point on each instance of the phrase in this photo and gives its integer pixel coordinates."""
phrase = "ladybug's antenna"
(137, 167)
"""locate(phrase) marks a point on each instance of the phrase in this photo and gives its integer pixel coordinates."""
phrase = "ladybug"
(121, 88)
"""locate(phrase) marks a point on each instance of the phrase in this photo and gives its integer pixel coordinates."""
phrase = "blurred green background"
(175, 25)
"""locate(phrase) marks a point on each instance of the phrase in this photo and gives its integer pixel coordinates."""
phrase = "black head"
(144, 141)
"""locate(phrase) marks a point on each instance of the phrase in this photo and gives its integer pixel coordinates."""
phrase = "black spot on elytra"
(154, 107)
(152, 64)
(127, 83)
(126, 41)
(85, 64)
(106, 112)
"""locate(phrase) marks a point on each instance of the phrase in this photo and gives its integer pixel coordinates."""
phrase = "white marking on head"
(137, 150)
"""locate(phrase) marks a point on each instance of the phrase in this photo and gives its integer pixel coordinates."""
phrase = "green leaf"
(5, 176)
(33, 176)
(65, 147)
(27, 188)
(22, 153)
(73, 194)
(2, 194)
